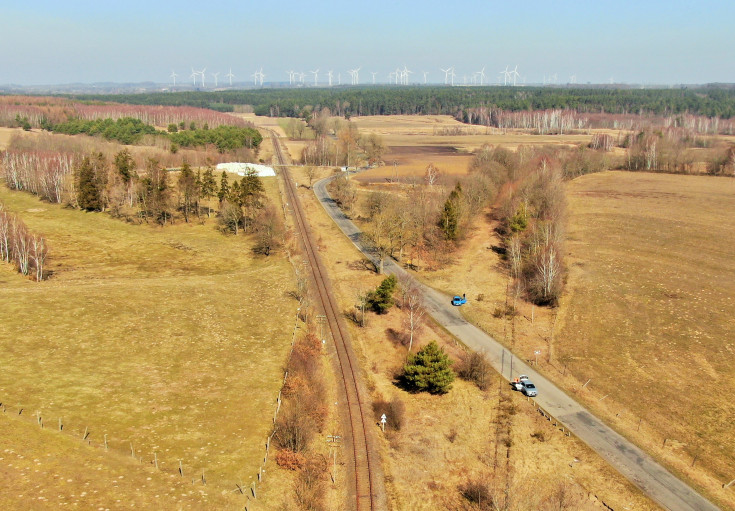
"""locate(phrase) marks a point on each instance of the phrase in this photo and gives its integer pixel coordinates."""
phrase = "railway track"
(356, 420)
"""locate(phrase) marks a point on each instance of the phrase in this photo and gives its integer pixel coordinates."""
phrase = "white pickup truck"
(517, 384)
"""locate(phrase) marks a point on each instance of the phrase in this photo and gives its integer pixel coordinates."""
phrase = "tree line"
(128, 131)
(96, 183)
(711, 101)
(19, 246)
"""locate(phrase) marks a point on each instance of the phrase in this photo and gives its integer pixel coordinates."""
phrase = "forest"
(710, 101)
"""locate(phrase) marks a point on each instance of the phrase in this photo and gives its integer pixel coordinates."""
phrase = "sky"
(644, 41)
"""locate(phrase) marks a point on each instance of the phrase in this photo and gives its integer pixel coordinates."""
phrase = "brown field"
(415, 141)
(42, 469)
(649, 313)
(171, 340)
(447, 440)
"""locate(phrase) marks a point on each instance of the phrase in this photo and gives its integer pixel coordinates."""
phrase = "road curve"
(366, 488)
(638, 467)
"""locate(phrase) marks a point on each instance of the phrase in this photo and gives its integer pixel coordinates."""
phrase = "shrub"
(394, 410)
(539, 435)
(294, 427)
(429, 370)
(474, 367)
(290, 460)
(477, 492)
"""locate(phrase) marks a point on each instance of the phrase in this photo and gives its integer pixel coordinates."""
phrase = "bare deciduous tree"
(413, 307)
(431, 175)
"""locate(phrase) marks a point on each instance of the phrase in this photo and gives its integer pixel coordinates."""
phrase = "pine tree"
(381, 299)
(187, 189)
(224, 188)
(429, 370)
(125, 165)
(88, 193)
(449, 220)
(209, 186)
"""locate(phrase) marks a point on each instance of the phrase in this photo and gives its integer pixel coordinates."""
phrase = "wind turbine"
(329, 75)
(201, 73)
(406, 72)
(174, 75)
(194, 76)
(373, 73)
(506, 75)
(425, 75)
(262, 76)
(215, 78)
(230, 76)
(352, 75)
(316, 74)
(357, 75)
(446, 74)
(515, 75)
(290, 77)
(452, 75)
(302, 75)
(482, 75)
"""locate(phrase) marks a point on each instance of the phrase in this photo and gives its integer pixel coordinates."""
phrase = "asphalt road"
(653, 479)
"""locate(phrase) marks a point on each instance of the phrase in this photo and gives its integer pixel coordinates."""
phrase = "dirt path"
(638, 467)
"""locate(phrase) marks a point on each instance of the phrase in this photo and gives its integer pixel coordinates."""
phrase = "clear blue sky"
(675, 41)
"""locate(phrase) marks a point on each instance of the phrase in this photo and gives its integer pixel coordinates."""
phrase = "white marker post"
(382, 422)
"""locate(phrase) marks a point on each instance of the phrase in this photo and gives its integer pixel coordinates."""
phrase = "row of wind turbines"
(397, 77)
(202, 75)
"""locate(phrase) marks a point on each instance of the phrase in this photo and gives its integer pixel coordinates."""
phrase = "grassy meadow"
(170, 339)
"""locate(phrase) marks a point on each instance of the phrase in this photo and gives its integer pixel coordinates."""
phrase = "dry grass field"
(171, 340)
(649, 314)
(415, 141)
(448, 440)
(42, 469)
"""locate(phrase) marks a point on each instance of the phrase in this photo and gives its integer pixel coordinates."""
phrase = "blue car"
(459, 300)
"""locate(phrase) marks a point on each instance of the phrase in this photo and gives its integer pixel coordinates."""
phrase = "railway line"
(365, 486)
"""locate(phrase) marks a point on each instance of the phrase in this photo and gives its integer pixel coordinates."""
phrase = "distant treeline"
(386, 100)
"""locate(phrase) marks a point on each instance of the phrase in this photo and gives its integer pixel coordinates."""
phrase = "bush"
(290, 460)
(474, 367)
(477, 492)
(429, 370)
(294, 427)
(394, 411)
(539, 435)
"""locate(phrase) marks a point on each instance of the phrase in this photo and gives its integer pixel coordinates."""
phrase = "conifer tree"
(381, 299)
(429, 370)
(187, 189)
(449, 220)
(224, 188)
(88, 193)
(209, 186)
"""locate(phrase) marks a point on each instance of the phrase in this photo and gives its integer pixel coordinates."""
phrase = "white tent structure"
(241, 168)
